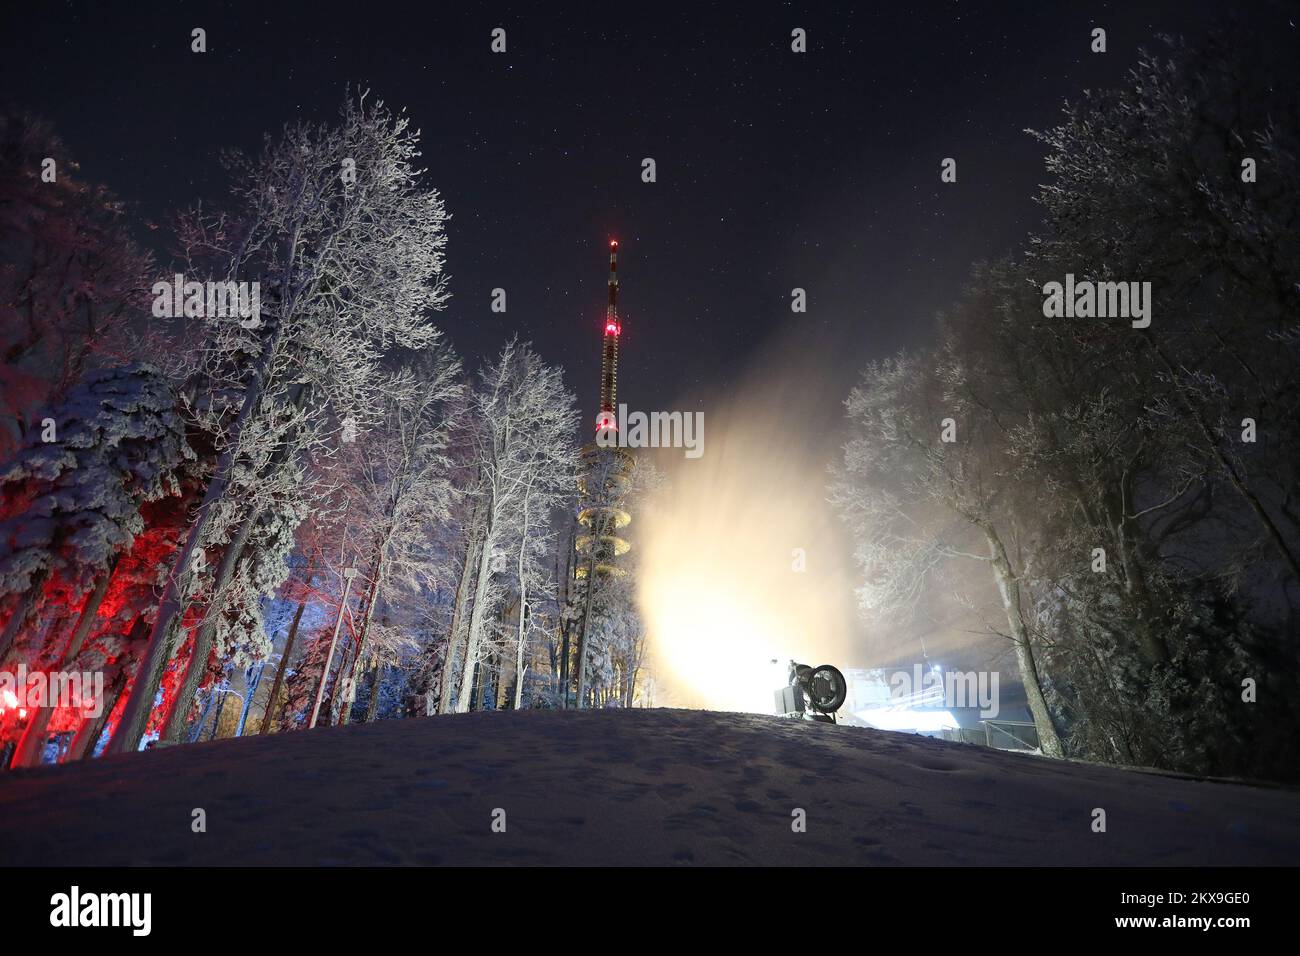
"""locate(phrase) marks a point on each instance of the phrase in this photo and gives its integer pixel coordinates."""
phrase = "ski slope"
(657, 787)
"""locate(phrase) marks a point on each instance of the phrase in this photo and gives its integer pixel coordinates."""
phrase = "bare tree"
(524, 421)
(400, 474)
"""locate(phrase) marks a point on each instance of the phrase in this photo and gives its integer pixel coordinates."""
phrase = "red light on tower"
(609, 345)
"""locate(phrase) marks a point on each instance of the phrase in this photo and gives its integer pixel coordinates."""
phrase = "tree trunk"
(207, 629)
(475, 624)
(204, 634)
(22, 612)
(373, 707)
(519, 659)
(221, 707)
(1151, 643)
(87, 735)
(329, 656)
(1271, 530)
(250, 688)
(1009, 589)
(492, 683)
(474, 692)
(163, 639)
(273, 702)
(473, 552)
(345, 694)
(566, 626)
(586, 619)
(564, 665)
(372, 596)
(202, 722)
(523, 603)
(33, 741)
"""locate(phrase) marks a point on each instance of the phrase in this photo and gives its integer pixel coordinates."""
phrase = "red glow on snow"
(10, 698)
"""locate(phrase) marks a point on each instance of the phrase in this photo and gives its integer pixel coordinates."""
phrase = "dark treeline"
(1116, 497)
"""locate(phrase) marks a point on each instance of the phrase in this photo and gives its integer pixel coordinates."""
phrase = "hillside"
(657, 787)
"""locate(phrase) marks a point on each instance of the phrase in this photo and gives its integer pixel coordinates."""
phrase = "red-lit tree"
(72, 507)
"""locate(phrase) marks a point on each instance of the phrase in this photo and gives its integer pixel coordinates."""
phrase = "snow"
(658, 787)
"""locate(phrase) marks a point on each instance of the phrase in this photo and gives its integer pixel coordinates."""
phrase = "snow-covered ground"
(669, 787)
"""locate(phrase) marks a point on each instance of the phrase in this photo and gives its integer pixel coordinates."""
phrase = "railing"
(1019, 735)
(1010, 734)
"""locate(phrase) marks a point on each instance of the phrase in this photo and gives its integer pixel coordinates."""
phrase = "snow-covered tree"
(522, 427)
(920, 488)
(602, 620)
(1147, 182)
(1142, 546)
(400, 473)
(533, 583)
(70, 276)
(71, 505)
(349, 267)
(74, 508)
(1145, 430)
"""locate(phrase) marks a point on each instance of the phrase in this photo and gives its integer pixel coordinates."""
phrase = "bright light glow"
(715, 644)
(739, 561)
(611, 328)
(10, 698)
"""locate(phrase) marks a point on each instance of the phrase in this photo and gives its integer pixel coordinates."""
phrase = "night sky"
(775, 169)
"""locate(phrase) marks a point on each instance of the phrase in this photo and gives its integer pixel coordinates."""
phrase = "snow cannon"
(812, 693)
